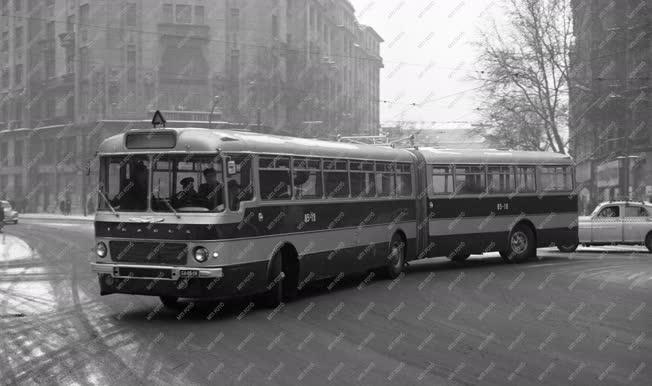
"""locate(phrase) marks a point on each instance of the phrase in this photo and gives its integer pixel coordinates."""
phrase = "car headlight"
(100, 249)
(201, 254)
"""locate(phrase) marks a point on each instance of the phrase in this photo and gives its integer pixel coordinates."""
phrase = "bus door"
(421, 202)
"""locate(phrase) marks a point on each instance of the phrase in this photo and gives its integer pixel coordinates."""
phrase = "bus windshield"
(187, 183)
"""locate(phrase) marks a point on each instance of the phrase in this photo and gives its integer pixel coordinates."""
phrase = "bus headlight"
(201, 254)
(100, 249)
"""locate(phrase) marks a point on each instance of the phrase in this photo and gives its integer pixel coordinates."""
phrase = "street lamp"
(216, 101)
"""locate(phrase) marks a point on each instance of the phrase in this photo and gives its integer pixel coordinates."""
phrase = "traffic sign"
(158, 120)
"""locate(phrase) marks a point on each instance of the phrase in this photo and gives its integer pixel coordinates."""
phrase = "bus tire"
(395, 257)
(171, 302)
(282, 280)
(521, 244)
(567, 248)
(648, 242)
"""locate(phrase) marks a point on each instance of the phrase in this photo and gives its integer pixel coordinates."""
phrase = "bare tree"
(526, 74)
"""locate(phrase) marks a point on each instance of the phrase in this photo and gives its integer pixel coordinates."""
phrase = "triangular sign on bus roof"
(158, 120)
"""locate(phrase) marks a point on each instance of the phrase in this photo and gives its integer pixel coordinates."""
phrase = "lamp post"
(216, 101)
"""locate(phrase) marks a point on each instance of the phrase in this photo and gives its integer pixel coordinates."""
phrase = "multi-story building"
(611, 136)
(75, 71)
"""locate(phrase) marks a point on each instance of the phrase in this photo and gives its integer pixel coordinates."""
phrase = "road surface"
(583, 318)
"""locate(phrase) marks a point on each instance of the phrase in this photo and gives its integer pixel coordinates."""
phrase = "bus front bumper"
(183, 282)
(134, 271)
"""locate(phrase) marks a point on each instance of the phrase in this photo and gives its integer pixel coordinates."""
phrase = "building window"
(131, 19)
(83, 61)
(70, 23)
(199, 14)
(5, 77)
(19, 74)
(5, 7)
(18, 153)
(184, 14)
(275, 31)
(3, 155)
(18, 37)
(18, 5)
(168, 13)
(235, 19)
(84, 21)
(5, 41)
(131, 63)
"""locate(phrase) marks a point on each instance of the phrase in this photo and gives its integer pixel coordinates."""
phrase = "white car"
(618, 222)
(11, 216)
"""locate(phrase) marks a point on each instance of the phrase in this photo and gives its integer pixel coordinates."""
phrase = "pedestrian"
(2, 218)
(62, 207)
(68, 206)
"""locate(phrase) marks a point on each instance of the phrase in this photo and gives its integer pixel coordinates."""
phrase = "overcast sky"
(428, 55)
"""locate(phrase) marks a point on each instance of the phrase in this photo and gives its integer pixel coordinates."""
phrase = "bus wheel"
(521, 244)
(170, 301)
(567, 248)
(396, 257)
(282, 276)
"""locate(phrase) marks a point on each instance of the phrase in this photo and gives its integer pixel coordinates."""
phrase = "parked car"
(618, 222)
(11, 216)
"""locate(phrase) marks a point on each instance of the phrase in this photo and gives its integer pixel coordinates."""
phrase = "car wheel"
(648, 242)
(171, 302)
(567, 248)
(521, 245)
(395, 258)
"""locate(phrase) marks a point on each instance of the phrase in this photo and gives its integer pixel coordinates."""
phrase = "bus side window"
(442, 179)
(240, 183)
(275, 182)
(526, 179)
(336, 178)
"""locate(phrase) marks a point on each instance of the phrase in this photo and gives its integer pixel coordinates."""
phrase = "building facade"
(77, 71)
(611, 135)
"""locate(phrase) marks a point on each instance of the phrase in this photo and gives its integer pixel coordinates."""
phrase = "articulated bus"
(213, 214)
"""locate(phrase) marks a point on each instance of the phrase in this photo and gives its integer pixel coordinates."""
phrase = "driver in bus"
(211, 192)
(187, 195)
(134, 194)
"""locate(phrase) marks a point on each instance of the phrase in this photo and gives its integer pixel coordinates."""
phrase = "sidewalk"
(53, 217)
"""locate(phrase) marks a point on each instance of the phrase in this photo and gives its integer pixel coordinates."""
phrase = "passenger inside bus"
(134, 192)
(187, 196)
(212, 191)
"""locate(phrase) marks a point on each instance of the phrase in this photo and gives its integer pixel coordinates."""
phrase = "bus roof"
(203, 140)
(490, 156)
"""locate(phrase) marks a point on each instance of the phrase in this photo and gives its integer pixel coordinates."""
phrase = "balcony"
(184, 33)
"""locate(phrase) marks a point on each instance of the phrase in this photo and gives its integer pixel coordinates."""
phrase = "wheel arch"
(288, 255)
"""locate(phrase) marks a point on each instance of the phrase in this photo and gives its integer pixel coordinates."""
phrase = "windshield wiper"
(108, 203)
(171, 207)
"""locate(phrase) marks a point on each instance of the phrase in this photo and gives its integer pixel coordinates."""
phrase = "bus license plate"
(188, 274)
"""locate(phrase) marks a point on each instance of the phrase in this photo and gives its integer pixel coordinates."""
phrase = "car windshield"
(187, 183)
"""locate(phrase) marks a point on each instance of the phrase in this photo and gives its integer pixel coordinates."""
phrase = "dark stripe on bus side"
(287, 219)
(502, 206)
